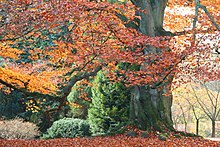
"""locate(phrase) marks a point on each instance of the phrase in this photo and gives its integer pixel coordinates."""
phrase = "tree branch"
(202, 105)
(81, 75)
(209, 15)
(25, 91)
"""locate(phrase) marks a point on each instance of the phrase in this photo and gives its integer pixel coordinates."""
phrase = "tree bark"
(213, 128)
(197, 126)
(151, 107)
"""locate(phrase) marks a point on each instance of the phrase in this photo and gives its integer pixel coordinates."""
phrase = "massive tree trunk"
(151, 107)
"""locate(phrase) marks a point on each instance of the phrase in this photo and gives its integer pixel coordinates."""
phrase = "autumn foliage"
(119, 140)
(96, 37)
(49, 46)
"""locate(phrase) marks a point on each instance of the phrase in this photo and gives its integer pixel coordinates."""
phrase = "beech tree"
(210, 106)
(49, 46)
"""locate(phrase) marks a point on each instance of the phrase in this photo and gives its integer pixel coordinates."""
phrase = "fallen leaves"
(113, 141)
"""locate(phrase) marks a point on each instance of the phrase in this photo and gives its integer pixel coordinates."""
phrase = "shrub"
(110, 105)
(18, 129)
(68, 128)
(76, 96)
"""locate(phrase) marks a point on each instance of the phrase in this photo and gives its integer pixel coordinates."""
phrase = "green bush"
(75, 97)
(110, 106)
(68, 128)
(18, 129)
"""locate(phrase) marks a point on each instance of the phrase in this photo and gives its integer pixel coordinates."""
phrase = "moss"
(162, 137)
(131, 134)
(177, 136)
(187, 134)
(144, 134)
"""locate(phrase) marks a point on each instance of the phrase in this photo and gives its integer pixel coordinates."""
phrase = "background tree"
(180, 113)
(210, 102)
(190, 110)
(196, 115)
(201, 101)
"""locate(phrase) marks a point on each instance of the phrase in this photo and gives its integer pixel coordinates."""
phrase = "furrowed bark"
(151, 107)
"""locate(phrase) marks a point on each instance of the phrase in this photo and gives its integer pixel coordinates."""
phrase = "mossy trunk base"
(151, 108)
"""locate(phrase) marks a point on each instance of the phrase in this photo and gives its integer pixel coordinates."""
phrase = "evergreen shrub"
(68, 128)
(110, 106)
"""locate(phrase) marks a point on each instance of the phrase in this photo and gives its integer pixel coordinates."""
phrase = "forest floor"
(113, 141)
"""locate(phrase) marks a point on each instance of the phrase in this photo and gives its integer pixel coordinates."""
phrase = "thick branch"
(81, 75)
(80, 69)
(66, 90)
(209, 15)
(197, 6)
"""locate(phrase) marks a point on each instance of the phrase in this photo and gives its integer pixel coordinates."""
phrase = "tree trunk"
(151, 107)
(197, 126)
(213, 128)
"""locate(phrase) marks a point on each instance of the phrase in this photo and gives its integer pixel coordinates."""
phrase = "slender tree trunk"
(197, 126)
(213, 128)
(151, 107)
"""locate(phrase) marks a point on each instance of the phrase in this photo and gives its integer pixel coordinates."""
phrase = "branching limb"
(25, 91)
(209, 15)
(197, 6)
